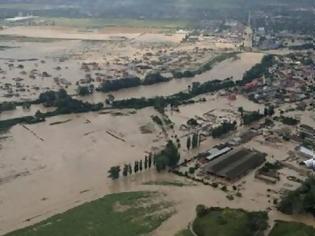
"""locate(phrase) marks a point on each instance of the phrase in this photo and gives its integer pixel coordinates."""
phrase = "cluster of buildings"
(290, 80)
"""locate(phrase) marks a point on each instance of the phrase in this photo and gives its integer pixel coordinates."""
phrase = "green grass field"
(185, 232)
(292, 229)
(132, 214)
(230, 222)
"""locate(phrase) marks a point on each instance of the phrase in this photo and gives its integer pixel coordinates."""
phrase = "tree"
(140, 165)
(224, 128)
(160, 162)
(84, 90)
(251, 117)
(172, 154)
(189, 88)
(192, 122)
(129, 169)
(301, 200)
(266, 111)
(110, 99)
(125, 170)
(168, 157)
(136, 167)
(241, 110)
(150, 160)
(271, 111)
(201, 210)
(153, 161)
(188, 144)
(114, 172)
(39, 115)
(194, 140)
(145, 162)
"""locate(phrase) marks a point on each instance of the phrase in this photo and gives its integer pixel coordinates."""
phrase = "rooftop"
(236, 163)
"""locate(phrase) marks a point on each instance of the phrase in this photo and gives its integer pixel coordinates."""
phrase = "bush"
(191, 170)
(7, 106)
(224, 128)
(114, 85)
(201, 210)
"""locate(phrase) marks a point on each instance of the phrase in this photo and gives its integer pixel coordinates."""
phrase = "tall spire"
(249, 19)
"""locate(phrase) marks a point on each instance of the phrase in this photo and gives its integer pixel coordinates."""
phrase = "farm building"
(216, 152)
(307, 132)
(235, 164)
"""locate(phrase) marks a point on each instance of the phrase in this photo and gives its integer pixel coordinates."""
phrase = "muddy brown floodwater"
(47, 169)
(50, 167)
(223, 70)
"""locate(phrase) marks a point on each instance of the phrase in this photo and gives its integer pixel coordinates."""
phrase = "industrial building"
(235, 164)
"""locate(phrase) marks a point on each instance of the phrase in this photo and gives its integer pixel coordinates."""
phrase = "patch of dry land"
(53, 166)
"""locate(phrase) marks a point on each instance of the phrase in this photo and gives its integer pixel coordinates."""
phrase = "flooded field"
(57, 63)
(226, 69)
(59, 166)
(53, 166)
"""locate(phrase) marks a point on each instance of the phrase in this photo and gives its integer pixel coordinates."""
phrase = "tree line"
(224, 128)
(193, 141)
(249, 117)
(131, 81)
(175, 99)
(179, 98)
(166, 158)
(259, 69)
(63, 103)
(156, 77)
(301, 200)
(128, 169)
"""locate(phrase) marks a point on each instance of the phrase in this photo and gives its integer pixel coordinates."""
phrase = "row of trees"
(117, 84)
(197, 88)
(193, 141)
(249, 117)
(288, 120)
(127, 169)
(7, 106)
(259, 69)
(65, 104)
(175, 99)
(156, 77)
(167, 158)
(131, 81)
(204, 67)
(224, 128)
